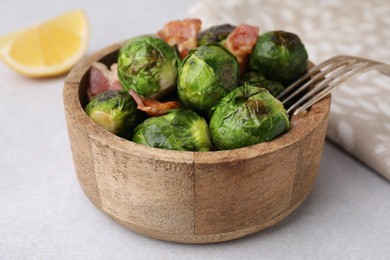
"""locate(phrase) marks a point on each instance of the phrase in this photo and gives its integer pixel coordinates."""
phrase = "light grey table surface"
(45, 215)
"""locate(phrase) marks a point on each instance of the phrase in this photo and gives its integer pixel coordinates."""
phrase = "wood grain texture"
(191, 197)
(244, 192)
(145, 191)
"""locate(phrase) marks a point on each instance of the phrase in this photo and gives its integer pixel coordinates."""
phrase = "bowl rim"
(300, 126)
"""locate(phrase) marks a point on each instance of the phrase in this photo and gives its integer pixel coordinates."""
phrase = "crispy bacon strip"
(241, 42)
(181, 33)
(102, 79)
(153, 107)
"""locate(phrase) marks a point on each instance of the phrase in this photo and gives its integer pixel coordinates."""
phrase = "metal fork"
(323, 78)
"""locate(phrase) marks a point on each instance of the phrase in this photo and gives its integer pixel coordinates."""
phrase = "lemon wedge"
(49, 48)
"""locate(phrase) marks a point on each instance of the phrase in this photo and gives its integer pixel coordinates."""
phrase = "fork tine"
(319, 74)
(324, 78)
(358, 68)
(334, 74)
(317, 70)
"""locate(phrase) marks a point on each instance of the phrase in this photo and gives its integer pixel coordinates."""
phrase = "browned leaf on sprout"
(102, 79)
(153, 107)
(241, 42)
(182, 33)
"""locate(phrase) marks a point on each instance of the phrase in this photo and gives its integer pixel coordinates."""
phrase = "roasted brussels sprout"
(280, 56)
(148, 65)
(180, 129)
(248, 115)
(114, 110)
(258, 80)
(215, 34)
(206, 75)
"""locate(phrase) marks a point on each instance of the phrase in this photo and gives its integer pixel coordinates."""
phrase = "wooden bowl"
(191, 197)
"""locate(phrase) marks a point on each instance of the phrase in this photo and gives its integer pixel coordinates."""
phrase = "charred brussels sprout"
(147, 65)
(280, 56)
(114, 110)
(248, 115)
(180, 129)
(258, 80)
(206, 75)
(215, 34)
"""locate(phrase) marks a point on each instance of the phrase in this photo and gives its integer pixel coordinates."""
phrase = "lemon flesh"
(47, 49)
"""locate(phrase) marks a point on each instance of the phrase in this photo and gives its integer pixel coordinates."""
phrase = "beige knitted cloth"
(360, 113)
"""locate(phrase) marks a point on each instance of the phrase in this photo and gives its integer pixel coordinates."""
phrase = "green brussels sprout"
(248, 115)
(180, 129)
(114, 110)
(215, 34)
(206, 75)
(148, 65)
(280, 56)
(258, 80)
